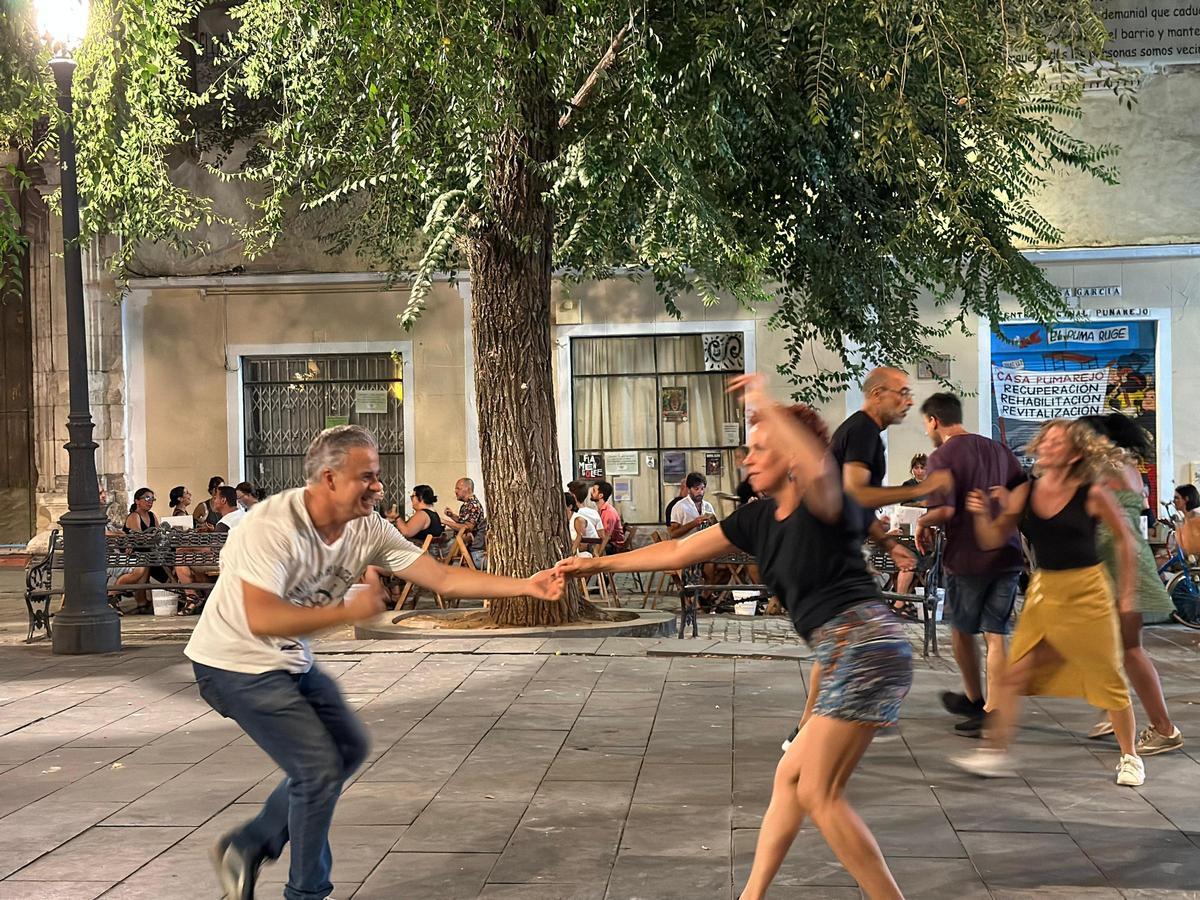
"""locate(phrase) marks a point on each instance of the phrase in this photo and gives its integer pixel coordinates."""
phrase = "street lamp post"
(86, 623)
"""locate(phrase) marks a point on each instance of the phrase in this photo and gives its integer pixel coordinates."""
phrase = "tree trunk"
(510, 249)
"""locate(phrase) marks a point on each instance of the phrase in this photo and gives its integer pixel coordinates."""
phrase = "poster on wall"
(1073, 369)
(675, 404)
(712, 462)
(622, 490)
(674, 466)
(589, 466)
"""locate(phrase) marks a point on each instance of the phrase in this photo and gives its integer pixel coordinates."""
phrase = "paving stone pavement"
(562, 774)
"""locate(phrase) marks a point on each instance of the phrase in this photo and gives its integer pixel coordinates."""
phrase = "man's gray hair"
(329, 449)
(469, 482)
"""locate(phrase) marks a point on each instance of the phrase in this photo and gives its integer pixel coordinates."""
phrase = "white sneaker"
(986, 763)
(1152, 741)
(1103, 728)
(1131, 771)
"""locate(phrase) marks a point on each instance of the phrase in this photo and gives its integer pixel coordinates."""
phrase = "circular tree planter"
(429, 624)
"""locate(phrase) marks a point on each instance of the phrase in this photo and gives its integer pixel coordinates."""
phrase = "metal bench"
(927, 601)
(689, 599)
(163, 547)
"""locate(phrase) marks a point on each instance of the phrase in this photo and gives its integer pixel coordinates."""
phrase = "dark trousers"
(305, 726)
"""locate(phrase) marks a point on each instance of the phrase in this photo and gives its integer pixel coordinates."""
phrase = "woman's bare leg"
(781, 822)
(830, 749)
(997, 664)
(814, 687)
(1006, 709)
(1125, 729)
(1139, 668)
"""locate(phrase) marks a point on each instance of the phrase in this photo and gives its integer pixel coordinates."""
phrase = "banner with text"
(1072, 369)
(1038, 396)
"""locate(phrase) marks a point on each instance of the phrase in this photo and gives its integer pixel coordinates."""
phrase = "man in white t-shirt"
(225, 504)
(692, 511)
(284, 572)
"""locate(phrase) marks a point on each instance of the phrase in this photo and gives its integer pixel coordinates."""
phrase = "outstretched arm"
(857, 478)
(992, 532)
(461, 581)
(666, 556)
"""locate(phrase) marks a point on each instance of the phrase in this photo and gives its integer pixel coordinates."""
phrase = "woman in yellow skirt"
(1067, 641)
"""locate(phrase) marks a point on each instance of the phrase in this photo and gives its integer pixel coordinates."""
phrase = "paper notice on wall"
(370, 401)
(731, 433)
(621, 462)
(1037, 396)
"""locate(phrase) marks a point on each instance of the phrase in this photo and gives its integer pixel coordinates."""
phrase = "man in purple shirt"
(981, 585)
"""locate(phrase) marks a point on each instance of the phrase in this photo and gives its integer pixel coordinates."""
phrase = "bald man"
(857, 445)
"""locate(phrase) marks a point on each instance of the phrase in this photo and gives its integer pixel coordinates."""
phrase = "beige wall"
(627, 307)
(185, 417)
(1158, 168)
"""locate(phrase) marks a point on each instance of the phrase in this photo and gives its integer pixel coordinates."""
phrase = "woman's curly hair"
(806, 416)
(1098, 456)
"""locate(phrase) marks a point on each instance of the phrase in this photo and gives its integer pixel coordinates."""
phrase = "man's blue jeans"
(305, 726)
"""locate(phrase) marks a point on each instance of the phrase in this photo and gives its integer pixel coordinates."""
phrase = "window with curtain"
(649, 410)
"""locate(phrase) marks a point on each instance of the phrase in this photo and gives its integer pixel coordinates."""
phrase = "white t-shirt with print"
(685, 511)
(279, 550)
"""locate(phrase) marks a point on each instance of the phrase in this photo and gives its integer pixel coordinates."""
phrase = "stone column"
(105, 362)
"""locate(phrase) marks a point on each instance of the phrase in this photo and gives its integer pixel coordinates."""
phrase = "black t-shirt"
(671, 506)
(745, 493)
(858, 440)
(816, 569)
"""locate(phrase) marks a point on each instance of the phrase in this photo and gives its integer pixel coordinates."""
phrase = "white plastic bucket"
(745, 607)
(165, 603)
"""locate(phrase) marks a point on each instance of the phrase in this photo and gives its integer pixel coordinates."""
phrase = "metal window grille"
(288, 400)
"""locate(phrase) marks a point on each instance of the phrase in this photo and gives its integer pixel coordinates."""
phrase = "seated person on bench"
(122, 575)
(224, 503)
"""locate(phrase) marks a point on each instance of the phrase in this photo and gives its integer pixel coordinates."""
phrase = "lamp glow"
(62, 22)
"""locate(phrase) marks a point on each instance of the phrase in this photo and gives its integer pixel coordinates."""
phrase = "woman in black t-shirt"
(807, 537)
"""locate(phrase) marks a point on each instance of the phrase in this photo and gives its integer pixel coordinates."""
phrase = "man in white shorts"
(284, 572)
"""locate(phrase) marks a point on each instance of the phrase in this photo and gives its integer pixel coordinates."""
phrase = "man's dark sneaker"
(961, 705)
(787, 742)
(972, 726)
(235, 870)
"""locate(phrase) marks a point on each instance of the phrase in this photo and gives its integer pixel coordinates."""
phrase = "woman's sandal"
(191, 605)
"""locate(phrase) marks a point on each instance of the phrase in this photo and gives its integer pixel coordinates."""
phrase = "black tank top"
(436, 528)
(1067, 540)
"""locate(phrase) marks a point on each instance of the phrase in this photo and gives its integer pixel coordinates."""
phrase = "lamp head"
(63, 24)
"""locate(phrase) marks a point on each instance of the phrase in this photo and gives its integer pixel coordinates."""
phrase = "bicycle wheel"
(1184, 590)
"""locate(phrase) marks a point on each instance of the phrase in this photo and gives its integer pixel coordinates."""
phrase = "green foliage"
(837, 160)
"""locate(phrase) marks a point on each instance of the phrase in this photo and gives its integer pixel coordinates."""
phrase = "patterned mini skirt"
(866, 665)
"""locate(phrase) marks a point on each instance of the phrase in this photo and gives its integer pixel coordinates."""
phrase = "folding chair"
(655, 590)
(408, 585)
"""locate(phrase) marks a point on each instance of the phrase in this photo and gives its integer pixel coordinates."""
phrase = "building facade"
(196, 375)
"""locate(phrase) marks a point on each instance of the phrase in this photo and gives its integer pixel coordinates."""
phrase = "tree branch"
(584, 94)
